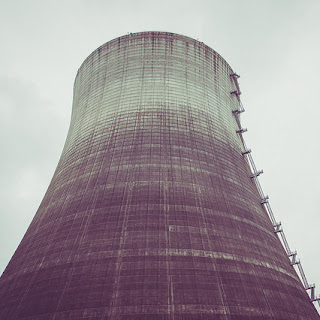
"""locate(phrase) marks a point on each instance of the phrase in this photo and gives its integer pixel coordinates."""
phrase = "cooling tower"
(152, 212)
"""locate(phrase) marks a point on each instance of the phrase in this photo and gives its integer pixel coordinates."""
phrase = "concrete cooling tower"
(153, 211)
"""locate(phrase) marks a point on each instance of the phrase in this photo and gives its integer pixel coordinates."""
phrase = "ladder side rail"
(262, 195)
(303, 275)
(253, 165)
(286, 245)
(235, 80)
(241, 105)
(235, 77)
(270, 212)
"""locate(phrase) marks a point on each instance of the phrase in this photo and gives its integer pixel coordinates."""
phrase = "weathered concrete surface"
(151, 213)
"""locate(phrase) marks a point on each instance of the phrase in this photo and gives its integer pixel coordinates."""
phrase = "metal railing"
(292, 255)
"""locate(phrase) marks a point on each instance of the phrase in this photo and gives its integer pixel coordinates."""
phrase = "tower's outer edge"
(151, 212)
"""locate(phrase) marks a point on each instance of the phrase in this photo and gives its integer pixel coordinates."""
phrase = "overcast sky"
(273, 44)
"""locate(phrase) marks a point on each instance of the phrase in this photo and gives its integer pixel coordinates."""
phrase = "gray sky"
(274, 46)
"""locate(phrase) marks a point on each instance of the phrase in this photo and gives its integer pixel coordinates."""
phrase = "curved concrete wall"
(151, 213)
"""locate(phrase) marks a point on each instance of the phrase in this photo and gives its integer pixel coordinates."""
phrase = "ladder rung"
(246, 151)
(238, 111)
(242, 130)
(256, 174)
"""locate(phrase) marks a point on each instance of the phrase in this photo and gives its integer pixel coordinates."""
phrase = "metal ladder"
(292, 255)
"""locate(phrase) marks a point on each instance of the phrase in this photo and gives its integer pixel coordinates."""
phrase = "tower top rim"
(150, 34)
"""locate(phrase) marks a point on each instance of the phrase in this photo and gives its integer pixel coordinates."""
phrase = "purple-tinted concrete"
(151, 213)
